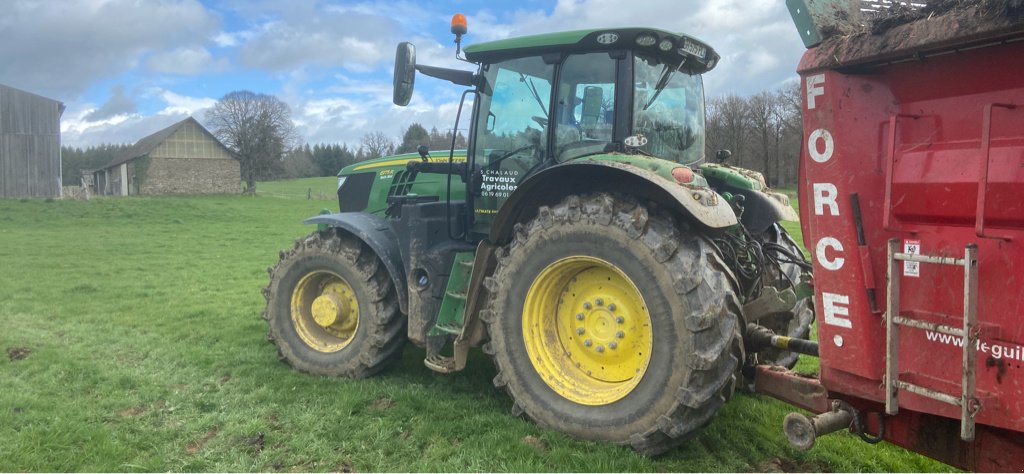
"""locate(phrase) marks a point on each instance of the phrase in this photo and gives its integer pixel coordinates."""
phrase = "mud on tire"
(689, 295)
(378, 337)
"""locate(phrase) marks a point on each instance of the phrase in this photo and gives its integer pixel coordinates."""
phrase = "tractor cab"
(545, 100)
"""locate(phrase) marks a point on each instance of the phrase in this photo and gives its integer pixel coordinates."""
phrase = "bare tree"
(377, 144)
(766, 131)
(728, 126)
(258, 128)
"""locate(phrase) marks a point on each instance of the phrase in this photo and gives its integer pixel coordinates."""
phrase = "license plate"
(694, 49)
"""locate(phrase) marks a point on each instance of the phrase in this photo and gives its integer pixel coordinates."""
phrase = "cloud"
(118, 104)
(81, 127)
(185, 61)
(62, 49)
(323, 38)
(179, 104)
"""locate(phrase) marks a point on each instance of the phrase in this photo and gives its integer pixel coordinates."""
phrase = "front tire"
(332, 308)
(656, 351)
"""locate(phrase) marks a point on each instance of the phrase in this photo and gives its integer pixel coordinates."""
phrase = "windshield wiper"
(662, 83)
(536, 96)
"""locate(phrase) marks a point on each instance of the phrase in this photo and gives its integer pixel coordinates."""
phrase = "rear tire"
(679, 348)
(332, 308)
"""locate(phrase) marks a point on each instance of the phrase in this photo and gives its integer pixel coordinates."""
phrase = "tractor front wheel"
(332, 309)
(611, 320)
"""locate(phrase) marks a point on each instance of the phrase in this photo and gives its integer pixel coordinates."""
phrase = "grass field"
(132, 342)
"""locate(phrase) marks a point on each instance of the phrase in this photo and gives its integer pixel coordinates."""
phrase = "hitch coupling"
(802, 431)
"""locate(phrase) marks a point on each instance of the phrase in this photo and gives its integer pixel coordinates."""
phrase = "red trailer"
(912, 204)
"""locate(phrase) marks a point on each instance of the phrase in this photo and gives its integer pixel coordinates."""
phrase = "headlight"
(341, 180)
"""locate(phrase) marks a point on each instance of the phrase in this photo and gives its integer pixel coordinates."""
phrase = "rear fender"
(377, 234)
(698, 203)
(762, 207)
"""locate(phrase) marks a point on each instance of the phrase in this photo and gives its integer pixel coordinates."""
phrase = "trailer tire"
(797, 323)
(675, 324)
(332, 308)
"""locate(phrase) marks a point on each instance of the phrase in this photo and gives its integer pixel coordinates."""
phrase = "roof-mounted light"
(607, 38)
(666, 45)
(646, 39)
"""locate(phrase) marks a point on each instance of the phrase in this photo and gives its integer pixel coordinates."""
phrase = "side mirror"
(722, 155)
(405, 73)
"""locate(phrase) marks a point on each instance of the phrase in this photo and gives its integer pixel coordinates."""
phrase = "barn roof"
(149, 143)
(60, 105)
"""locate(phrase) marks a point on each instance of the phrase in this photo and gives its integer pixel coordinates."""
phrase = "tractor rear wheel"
(610, 320)
(332, 308)
(797, 322)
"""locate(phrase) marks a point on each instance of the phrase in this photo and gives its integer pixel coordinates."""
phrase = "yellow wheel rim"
(324, 311)
(587, 330)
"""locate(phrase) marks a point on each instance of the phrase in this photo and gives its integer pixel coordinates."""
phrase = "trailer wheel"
(332, 309)
(797, 322)
(610, 320)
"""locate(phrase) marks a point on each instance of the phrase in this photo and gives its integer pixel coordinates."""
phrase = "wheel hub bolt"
(620, 334)
(611, 307)
(620, 319)
(599, 301)
(579, 316)
(586, 305)
(599, 348)
(579, 331)
(612, 345)
(588, 343)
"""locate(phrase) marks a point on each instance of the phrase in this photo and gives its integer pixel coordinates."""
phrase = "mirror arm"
(455, 76)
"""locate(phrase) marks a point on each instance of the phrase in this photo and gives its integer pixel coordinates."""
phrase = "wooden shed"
(184, 158)
(29, 144)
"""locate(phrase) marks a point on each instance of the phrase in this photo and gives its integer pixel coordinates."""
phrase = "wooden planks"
(29, 144)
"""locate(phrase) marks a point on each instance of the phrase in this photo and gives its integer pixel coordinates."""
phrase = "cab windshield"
(668, 110)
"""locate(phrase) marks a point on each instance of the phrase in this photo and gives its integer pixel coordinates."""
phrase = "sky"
(128, 68)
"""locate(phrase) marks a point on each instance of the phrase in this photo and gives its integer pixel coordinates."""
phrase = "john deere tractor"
(583, 241)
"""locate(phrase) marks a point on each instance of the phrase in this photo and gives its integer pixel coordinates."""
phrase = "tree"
(258, 128)
(413, 137)
(76, 160)
(727, 127)
(377, 144)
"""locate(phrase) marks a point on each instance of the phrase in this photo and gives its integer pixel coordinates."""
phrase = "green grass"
(147, 353)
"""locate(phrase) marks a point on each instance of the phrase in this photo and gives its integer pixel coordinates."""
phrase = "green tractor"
(582, 241)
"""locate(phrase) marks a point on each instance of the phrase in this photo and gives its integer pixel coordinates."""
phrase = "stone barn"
(29, 144)
(184, 158)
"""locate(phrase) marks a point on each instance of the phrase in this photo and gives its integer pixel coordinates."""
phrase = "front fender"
(700, 203)
(377, 234)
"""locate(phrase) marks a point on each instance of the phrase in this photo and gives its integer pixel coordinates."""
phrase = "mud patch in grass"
(17, 353)
(194, 447)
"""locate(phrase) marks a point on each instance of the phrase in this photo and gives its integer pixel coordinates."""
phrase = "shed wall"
(29, 145)
(191, 176)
